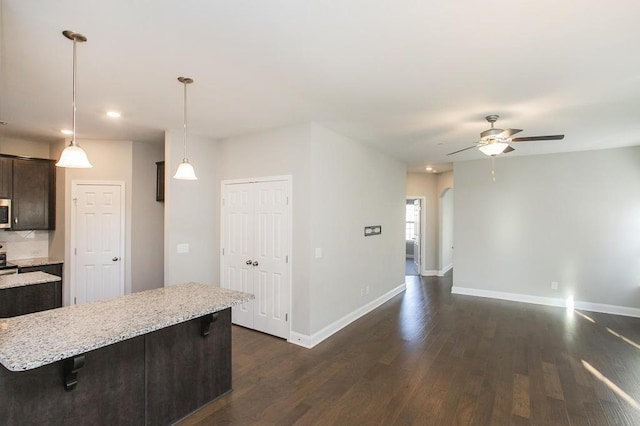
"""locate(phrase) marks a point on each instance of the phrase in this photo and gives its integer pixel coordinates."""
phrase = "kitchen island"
(146, 358)
(22, 294)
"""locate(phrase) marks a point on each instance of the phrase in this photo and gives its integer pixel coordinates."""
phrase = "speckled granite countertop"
(36, 261)
(29, 278)
(33, 340)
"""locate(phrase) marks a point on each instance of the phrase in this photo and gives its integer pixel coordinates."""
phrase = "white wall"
(147, 228)
(23, 147)
(446, 230)
(353, 186)
(339, 186)
(571, 218)
(192, 211)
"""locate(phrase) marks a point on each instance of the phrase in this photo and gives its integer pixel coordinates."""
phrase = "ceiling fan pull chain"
(493, 168)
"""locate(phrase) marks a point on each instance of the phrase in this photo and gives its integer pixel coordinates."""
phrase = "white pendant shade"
(74, 157)
(493, 148)
(185, 171)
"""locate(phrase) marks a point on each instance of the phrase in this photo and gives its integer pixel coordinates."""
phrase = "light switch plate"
(318, 252)
(182, 248)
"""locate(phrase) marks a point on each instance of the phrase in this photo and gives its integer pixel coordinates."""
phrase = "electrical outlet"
(361, 291)
(366, 290)
(554, 285)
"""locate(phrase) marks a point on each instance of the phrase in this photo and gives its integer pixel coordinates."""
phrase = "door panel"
(98, 243)
(272, 241)
(235, 231)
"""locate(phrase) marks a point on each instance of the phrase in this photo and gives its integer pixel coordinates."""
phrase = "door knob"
(255, 263)
(248, 262)
(115, 259)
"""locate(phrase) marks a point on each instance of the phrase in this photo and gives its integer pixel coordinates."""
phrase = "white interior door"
(255, 252)
(98, 247)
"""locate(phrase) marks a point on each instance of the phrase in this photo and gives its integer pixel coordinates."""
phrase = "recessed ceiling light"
(429, 168)
(66, 132)
(113, 114)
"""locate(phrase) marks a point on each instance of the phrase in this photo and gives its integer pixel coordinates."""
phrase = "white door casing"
(256, 233)
(98, 241)
(417, 254)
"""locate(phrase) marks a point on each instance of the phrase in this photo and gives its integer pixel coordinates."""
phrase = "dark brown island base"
(146, 358)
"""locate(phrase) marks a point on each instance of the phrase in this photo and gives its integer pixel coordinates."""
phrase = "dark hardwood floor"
(430, 357)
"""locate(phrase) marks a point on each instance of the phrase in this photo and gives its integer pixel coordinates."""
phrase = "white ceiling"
(412, 78)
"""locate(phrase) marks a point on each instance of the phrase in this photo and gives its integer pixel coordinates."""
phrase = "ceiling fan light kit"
(493, 148)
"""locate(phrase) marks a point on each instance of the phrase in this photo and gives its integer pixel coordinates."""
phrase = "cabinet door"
(6, 177)
(33, 205)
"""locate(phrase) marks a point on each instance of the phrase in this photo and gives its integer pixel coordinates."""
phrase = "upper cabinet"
(30, 183)
(33, 199)
(6, 177)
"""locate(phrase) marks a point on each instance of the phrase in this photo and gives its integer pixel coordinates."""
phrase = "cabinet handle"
(248, 262)
(255, 263)
(15, 220)
(115, 259)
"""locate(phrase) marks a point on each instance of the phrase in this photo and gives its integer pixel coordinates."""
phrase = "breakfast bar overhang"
(147, 358)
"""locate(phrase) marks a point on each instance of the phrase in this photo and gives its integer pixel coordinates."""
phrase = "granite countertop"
(33, 340)
(35, 261)
(29, 278)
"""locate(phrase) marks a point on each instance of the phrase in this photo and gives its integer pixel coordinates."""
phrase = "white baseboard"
(435, 272)
(549, 301)
(311, 341)
(445, 270)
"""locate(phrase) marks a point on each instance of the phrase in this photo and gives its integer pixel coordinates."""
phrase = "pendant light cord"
(185, 121)
(73, 142)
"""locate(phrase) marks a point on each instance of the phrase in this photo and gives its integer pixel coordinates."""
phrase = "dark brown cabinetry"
(6, 177)
(160, 181)
(54, 269)
(27, 299)
(153, 379)
(33, 200)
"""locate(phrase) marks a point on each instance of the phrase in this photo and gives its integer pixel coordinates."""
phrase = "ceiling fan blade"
(455, 152)
(538, 138)
(509, 132)
(508, 149)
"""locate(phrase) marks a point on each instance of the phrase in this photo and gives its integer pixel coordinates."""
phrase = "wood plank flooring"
(430, 357)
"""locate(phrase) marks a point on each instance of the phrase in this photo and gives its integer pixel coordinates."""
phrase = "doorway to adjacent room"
(413, 236)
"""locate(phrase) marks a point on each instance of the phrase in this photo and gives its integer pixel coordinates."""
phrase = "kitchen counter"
(147, 358)
(29, 278)
(35, 261)
(33, 340)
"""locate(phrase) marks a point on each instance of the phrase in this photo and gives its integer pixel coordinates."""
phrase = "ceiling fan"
(495, 141)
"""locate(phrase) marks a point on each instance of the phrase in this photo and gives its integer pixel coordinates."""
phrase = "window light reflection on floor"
(622, 394)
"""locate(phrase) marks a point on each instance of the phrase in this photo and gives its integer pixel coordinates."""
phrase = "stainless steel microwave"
(5, 213)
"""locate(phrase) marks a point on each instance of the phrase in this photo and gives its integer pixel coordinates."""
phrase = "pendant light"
(73, 156)
(185, 169)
